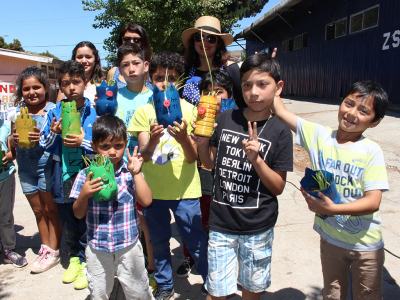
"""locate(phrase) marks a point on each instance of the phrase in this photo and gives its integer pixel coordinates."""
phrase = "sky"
(57, 26)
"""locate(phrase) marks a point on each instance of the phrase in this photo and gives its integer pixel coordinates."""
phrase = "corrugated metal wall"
(327, 68)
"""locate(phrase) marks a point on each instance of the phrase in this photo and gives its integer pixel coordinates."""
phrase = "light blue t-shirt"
(5, 131)
(128, 102)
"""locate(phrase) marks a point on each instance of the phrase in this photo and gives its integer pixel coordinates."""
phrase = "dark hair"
(129, 48)
(71, 67)
(370, 89)
(263, 62)
(145, 43)
(107, 125)
(167, 60)
(97, 74)
(25, 74)
(192, 57)
(219, 77)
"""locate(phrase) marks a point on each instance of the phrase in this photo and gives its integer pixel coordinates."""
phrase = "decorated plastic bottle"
(167, 106)
(107, 99)
(206, 115)
(71, 119)
(2, 164)
(25, 124)
(227, 104)
(109, 189)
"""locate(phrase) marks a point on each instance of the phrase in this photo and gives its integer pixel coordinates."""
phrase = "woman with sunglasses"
(136, 34)
(207, 30)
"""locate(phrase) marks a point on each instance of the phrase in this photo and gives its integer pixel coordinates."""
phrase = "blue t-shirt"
(5, 131)
(128, 102)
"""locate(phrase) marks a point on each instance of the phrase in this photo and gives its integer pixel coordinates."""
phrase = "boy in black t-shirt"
(251, 151)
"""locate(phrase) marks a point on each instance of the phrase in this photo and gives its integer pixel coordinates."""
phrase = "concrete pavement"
(296, 269)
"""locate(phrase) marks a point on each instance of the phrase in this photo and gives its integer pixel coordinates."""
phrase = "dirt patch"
(301, 160)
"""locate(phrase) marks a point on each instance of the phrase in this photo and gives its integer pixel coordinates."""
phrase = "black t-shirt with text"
(241, 203)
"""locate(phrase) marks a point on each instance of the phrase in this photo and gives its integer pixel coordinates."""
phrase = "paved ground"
(296, 270)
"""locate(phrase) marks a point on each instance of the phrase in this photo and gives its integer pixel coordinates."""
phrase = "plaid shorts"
(252, 252)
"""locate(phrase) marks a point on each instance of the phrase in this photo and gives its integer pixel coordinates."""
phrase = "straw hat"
(207, 24)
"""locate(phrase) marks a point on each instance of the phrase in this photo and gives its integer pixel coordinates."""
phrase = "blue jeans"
(188, 218)
(74, 230)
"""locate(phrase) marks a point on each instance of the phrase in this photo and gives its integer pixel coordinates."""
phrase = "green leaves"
(321, 180)
(165, 20)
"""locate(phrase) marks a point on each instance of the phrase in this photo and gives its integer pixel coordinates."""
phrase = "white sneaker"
(43, 248)
(49, 259)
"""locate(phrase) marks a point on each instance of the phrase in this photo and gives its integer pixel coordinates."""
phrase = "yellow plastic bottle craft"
(71, 119)
(206, 115)
(25, 124)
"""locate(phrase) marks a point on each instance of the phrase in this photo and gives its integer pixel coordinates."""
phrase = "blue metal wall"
(327, 68)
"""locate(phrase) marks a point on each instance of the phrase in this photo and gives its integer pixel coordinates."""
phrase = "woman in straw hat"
(208, 29)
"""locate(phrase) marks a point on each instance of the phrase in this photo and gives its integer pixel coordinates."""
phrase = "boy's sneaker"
(160, 294)
(81, 280)
(49, 259)
(73, 269)
(152, 281)
(11, 257)
(185, 268)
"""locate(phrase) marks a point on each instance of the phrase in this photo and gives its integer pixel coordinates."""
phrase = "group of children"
(242, 169)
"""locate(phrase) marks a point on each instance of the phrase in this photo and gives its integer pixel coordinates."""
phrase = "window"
(304, 41)
(341, 28)
(284, 46)
(52, 75)
(336, 29)
(290, 45)
(297, 42)
(364, 20)
(330, 32)
(44, 69)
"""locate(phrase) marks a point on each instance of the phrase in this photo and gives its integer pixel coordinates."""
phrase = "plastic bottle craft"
(107, 99)
(102, 167)
(227, 104)
(71, 119)
(25, 124)
(2, 164)
(167, 106)
(206, 115)
(322, 181)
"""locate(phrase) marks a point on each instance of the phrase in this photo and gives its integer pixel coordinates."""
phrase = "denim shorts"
(251, 252)
(34, 170)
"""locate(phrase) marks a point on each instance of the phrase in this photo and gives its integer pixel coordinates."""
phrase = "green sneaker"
(72, 271)
(81, 280)
(152, 282)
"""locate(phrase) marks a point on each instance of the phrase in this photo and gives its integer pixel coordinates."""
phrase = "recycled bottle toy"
(2, 164)
(107, 99)
(206, 115)
(227, 104)
(102, 167)
(312, 184)
(24, 125)
(71, 119)
(167, 106)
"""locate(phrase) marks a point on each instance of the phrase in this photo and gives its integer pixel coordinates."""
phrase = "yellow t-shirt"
(168, 174)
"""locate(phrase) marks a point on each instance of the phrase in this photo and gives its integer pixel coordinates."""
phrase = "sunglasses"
(211, 39)
(134, 40)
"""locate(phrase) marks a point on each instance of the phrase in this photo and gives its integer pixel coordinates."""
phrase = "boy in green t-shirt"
(170, 169)
(351, 233)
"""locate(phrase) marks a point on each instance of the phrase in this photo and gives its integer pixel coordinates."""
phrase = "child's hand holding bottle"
(74, 141)
(156, 132)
